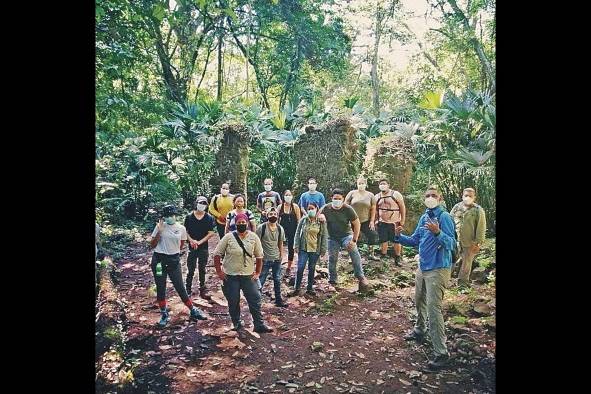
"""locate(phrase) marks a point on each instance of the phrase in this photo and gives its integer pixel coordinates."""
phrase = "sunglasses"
(202, 202)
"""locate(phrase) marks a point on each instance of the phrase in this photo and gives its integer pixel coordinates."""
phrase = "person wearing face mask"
(168, 238)
(343, 232)
(312, 195)
(219, 207)
(435, 239)
(272, 236)
(289, 216)
(239, 250)
(267, 199)
(470, 222)
(200, 227)
(391, 212)
(364, 204)
(239, 207)
(311, 240)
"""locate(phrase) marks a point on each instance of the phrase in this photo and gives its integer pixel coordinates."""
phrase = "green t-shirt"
(339, 220)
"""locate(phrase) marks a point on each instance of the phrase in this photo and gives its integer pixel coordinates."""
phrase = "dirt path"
(334, 342)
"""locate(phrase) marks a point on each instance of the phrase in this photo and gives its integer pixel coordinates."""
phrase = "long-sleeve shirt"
(470, 223)
(435, 251)
(224, 205)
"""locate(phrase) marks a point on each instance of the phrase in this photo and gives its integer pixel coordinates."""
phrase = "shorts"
(368, 235)
(386, 231)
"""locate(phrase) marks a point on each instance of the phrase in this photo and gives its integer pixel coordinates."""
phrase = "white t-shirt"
(170, 239)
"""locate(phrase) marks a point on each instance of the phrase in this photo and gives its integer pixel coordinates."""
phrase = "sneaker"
(262, 329)
(238, 326)
(196, 314)
(438, 362)
(414, 336)
(311, 292)
(203, 294)
(164, 318)
(281, 304)
(373, 257)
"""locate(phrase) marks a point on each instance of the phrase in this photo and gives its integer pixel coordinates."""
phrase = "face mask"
(361, 186)
(311, 213)
(312, 186)
(268, 187)
(337, 203)
(288, 199)
(383, 187)
(468, 200)
(201, 207)
(272, 219)
(241, 228)
(169, 220)
(225, 192)
(431, 202)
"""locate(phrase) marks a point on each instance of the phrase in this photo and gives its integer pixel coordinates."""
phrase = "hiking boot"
(291, 281)
(364, 285)
(373, 257)
(262, 329)
(384, 257)
(414, 336)
(203, 294)
(237, 326)
(397, 260)
(196, 314)
(164, 318)
(311, 292)
(438, 362)
(281, 304)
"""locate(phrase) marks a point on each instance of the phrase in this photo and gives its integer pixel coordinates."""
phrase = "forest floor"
(333, 342)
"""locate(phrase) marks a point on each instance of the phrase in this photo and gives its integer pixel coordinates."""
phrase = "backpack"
(387, 209)
(279, 243)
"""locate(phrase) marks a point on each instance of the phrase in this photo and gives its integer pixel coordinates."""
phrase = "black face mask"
(272, 219)
(241, 228)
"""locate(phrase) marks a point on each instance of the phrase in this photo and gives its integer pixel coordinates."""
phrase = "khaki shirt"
(235, 262)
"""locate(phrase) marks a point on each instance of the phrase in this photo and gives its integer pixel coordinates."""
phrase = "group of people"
(247, 252)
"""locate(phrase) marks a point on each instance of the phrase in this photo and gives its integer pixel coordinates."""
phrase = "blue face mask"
(337, 203)
(311, 213)
(169, 220)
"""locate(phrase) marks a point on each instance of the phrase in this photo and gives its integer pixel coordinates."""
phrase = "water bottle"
(159, 269)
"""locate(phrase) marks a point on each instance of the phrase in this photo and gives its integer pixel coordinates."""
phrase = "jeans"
(171, 266)
(334, 246)
(231, 288)
(194, 254)
(275, 266)
(311, 258)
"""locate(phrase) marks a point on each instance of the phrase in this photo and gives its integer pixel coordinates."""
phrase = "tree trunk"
(375, 82)
(295, 66)
(220, 59)
(476, 45)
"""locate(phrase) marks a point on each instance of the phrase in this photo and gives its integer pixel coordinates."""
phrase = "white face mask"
(431, 202)
(288, 199)
(361, 186)
(268, 187)
(337, 203)
(468, 200)
(312, 186)
(201, 207)
(383, 187)
(225, 192)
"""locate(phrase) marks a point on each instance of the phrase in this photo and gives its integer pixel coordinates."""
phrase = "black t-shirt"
(197, 229)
